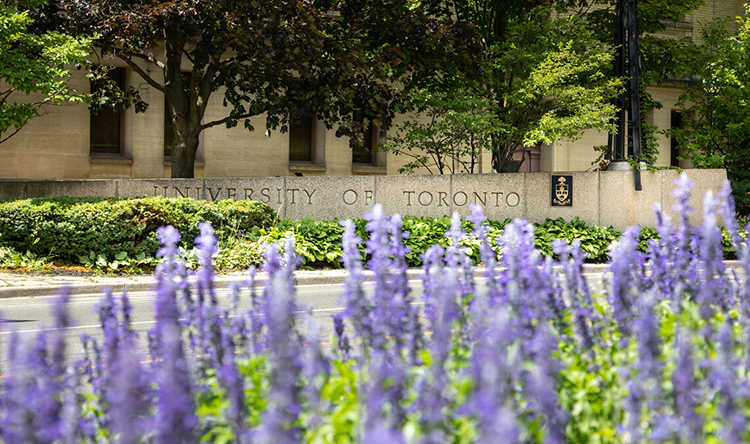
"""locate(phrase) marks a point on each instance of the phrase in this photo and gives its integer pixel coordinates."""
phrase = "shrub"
(71, 228)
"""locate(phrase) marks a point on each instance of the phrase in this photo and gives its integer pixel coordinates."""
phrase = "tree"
(546, 65)
(446, 132)
(544, 79)
(282, 58)
(33, 63)
(715, 107)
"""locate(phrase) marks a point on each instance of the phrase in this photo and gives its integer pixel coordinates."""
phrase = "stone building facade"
(68, 143)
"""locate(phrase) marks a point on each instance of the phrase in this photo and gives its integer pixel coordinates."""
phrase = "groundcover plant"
(523, 354)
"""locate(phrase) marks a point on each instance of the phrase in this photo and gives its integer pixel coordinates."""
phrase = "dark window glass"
(674, 144)
(300, 140)
(363, 152)
(106, 124)
(168, 129)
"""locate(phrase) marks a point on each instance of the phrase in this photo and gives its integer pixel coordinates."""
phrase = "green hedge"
(68, 228)
(120, 234)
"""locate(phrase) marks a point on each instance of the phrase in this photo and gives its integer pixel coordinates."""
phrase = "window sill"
(368, 170)
(313, 167)
(168, 162)
(111, 160)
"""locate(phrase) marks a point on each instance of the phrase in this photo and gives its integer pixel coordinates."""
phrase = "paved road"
(25, 308)
(29, 315)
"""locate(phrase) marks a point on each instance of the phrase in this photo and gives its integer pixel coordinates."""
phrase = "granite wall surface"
(601, 198)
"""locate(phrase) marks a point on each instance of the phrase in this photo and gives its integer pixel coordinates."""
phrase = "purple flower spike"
(380, 434)
(684, 387)
(587, 319)
(357, 306)
(130, 396)
(683, 185)
(207, 249)
(493, 368)
(442, 288)
(729, 214)
(543, 385)
(487, 254)
(662, 253)
(283, 355)
(316, 369)
(256, 314)
(524, 285)
(175, 421)
(232, 381)
(713, 290)
(342, 340)
(686, 280)
(724, 378)
(627, 270)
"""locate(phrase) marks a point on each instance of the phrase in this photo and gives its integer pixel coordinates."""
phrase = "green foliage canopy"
(285, 59)
(33, 63)
(716, 106)
(547, 72)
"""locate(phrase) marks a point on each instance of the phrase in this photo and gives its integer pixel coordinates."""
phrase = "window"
(306, 146)
(365, 153)
(302, 140)
(106, 125)
(366, 158)
(675, 150)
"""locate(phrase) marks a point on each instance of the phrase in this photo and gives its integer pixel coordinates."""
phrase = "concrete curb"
(146, 283)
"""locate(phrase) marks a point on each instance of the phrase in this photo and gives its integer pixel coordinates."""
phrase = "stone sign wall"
(602, 198)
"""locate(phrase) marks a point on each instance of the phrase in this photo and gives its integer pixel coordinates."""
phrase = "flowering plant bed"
(98, 235)
(527, 354)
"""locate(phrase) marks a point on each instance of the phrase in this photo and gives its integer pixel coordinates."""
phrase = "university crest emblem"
(562, 190)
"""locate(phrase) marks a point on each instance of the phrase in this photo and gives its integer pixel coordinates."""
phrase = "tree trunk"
(502, 156)
(183, 155)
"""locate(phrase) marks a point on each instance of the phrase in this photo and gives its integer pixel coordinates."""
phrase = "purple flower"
(284, 407)
(175, 420)
(342, 340)
(684, 388)
(524, 285)
(231, 380)
(544, 386)
(37, 390)
(494, 367)
(713, 289)
(442, 287)
(207, 248)
(587, 319)
(627, 271)
(358, 307)
(130, 396)
(724, 378)
(316, 369)
(256, 314)
(487, 254)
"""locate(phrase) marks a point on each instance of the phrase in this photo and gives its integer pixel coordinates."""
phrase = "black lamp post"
(626, 28)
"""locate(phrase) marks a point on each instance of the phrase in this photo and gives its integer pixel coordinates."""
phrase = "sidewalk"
(15, 285)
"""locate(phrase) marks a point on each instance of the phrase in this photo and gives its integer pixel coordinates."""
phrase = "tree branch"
(187, 54)
(225, 120)
(147, 58)
(144, 75)
(12, 134)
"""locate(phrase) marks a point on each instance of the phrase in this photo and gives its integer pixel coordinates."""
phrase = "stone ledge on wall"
(602, 198)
